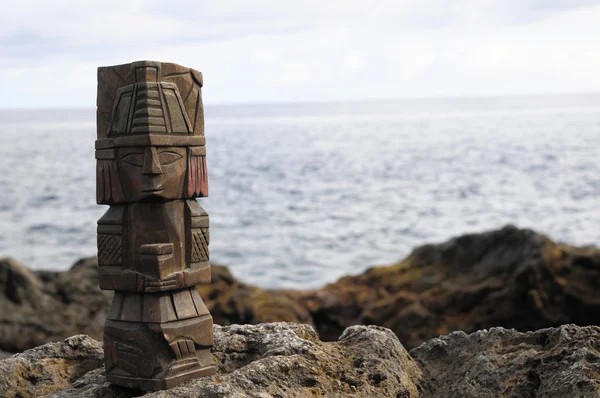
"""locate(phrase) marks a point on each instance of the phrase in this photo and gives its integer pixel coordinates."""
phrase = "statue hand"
(154, 285)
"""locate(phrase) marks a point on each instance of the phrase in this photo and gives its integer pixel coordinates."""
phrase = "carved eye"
(167, 157)
(134, 159)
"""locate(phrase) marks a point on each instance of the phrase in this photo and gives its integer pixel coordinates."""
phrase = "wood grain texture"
(189, 83)
(153, 241)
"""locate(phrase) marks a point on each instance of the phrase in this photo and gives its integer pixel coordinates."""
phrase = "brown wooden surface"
(188, 81)
(153, 241)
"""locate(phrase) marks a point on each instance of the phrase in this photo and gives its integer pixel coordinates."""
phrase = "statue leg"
(158, 355)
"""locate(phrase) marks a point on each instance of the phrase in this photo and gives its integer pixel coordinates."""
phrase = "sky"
(268, 51)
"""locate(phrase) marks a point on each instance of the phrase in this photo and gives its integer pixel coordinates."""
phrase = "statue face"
(147, 172)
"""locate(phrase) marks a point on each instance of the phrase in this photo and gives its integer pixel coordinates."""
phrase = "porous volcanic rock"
(50, 367)
(554, 362)
(511, 277)
(288, 360)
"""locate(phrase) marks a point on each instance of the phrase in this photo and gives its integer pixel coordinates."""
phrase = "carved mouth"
(152, 185)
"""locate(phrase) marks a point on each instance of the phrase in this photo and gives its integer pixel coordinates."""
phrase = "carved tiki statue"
(153, 240)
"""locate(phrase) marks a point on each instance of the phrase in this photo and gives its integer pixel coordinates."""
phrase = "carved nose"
(151, 162)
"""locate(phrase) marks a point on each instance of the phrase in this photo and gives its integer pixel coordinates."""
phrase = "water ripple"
(303, 194)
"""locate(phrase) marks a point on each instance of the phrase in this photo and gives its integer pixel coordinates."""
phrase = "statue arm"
(119, 279)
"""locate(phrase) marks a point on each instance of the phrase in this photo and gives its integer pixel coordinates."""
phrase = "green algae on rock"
(511, 277)
(514, 278)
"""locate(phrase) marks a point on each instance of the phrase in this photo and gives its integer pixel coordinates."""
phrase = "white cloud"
(283, 51)
(14, 73)
(355, 61)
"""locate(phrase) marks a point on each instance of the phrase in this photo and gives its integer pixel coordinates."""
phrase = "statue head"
(150, 149)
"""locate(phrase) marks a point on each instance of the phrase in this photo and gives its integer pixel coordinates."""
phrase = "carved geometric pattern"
(148, 114)
(200, 245)
(189, 82)
(110, 249)
(183, 348)
(128, 357)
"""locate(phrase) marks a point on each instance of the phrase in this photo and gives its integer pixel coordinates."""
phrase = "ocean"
(302, 194)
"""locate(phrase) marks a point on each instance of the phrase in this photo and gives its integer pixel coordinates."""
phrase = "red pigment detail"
(197, 177)
(203, 180)
(190, 178)
(108, 186)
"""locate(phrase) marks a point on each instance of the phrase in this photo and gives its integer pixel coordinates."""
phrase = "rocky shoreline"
(511, 277)
(280, 360)
(476, 283)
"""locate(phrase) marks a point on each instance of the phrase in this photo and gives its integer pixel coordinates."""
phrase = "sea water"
(301, 194)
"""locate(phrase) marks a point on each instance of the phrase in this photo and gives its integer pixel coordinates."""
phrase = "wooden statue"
(153, 240)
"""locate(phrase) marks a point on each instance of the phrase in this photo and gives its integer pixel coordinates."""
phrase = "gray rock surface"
(288, 360)
(50, 367)
(511, 277)
(42, 306)
(554, 362)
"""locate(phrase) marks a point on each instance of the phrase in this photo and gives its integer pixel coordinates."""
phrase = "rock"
(557, 362)
(233, 302)
(510, 277)
(42, 306)
(288, 360)
(50, 367)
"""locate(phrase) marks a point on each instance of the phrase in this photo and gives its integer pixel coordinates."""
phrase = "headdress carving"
(149, 110)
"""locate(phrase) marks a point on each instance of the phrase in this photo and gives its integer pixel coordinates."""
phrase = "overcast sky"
(305, 50)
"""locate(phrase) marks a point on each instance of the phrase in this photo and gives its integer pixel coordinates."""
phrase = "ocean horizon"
(302, 194)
